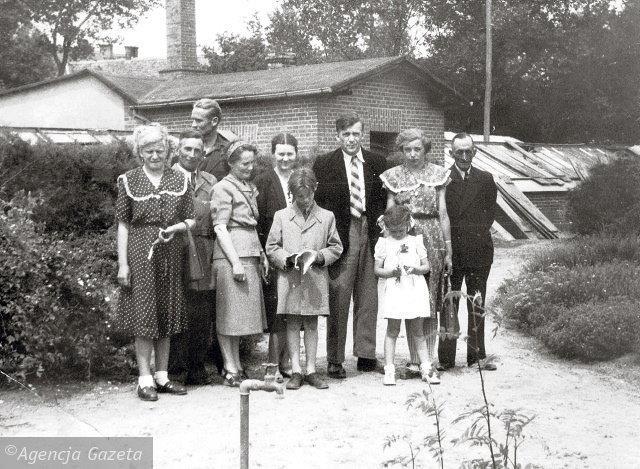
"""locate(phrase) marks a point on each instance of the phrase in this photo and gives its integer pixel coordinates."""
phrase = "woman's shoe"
(147, 393)
(389, 375)
(231, 379)
(429, 374)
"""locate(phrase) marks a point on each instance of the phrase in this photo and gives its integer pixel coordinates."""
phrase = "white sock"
(161, 377)
(146, 381)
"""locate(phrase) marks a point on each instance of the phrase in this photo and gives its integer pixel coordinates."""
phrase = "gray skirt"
(239, 305)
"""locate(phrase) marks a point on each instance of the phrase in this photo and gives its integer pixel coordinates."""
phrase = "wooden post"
(487, 85)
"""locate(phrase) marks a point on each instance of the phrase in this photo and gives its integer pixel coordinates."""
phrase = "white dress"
(408, 297)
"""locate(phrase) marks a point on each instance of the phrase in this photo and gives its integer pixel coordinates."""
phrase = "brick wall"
(554, 205)
(256, 122)
(389, 102)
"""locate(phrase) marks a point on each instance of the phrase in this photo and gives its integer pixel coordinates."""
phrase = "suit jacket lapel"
(471, 188)
(280, 196)
(199, 182)
(341, 170)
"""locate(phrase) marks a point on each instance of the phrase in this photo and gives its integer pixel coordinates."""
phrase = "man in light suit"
(471, 203)
(349, 185)
(189, 352)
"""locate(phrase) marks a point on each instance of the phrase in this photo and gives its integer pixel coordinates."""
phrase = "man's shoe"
(336, 371)
(443, 366)
(368, 364)
(171, 387)
(296, 381)
(410, 371)
(148, 393)
(315, 380)
(484, 366)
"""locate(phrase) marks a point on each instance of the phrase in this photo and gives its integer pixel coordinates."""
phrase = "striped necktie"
(357, 206)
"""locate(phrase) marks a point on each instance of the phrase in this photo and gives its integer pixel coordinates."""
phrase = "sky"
(212, 17)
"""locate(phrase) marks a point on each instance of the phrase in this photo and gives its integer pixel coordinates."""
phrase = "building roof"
(133, 88)
(301, 80)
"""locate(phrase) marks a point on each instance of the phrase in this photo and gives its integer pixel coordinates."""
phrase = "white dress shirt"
(359, 162)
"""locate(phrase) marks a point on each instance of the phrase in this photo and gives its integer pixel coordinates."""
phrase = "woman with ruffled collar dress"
(420, 185)
(154, 203)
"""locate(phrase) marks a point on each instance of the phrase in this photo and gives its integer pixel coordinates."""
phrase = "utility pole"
(487, 84)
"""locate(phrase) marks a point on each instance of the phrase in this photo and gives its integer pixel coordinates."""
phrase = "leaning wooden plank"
(521, 229)
(536, 162)
(526, 205)
(501, 232)
(517, 165)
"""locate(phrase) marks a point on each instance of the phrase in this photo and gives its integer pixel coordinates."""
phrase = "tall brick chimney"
(181, 38)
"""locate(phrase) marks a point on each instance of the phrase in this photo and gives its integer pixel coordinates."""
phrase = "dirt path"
(584, 417)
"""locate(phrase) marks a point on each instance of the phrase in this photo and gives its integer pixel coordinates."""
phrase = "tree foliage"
(236, 53)
(23, 55)
(65, 22)
(563, 71)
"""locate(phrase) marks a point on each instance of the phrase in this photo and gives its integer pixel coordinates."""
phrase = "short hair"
(283, 138)
(211, 106)
(396, 215)
(149, 133)
(190, 133)
(302, 178)
(410, 135)
(347, 120)
(237, 148)
(461, 136)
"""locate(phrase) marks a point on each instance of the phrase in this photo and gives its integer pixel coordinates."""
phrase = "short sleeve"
(380, 252)
(123, 202)
(420, 249)
(186, 207)
(221, 205)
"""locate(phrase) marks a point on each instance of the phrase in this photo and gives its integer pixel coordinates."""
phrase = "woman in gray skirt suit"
(238, 260)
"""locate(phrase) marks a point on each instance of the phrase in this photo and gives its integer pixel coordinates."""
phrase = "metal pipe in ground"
(248, 385)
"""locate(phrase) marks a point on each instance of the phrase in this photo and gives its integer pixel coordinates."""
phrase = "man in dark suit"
(349, 186)
(471, 201)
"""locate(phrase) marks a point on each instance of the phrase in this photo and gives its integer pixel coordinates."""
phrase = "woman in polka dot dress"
(154, 203)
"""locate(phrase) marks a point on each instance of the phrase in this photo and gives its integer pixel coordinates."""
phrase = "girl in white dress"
(401, 263)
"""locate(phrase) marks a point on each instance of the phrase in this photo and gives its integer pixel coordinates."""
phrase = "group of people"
(208, 242)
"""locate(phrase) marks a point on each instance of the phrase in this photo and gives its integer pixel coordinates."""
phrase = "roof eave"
(241, 98)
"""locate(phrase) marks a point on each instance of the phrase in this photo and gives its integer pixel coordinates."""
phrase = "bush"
(55, 304)
(581, 299)
(608, 198)
(76, 183)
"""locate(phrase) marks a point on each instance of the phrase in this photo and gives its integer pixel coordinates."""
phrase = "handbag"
(195, 271)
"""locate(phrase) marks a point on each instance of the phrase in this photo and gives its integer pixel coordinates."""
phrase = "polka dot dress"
(154, 305)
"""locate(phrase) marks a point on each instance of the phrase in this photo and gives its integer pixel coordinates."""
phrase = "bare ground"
(587, 415)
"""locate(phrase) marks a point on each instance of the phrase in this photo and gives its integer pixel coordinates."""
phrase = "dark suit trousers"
(476, 280)
(189, 349)
(353, 274)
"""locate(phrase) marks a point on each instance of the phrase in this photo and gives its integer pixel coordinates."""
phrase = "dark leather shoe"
(443, 366)
(171, 387)
(368, 364)
(336, 371)
(148, 393)
(484, 366)
(296, 381)
(315, 380)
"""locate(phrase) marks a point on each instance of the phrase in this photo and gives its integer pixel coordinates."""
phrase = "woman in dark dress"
(154, 203)
(273, 195)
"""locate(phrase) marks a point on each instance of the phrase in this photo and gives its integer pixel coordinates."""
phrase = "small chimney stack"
(130, 52)
(181, 38)
(106, 51)
(280, 60)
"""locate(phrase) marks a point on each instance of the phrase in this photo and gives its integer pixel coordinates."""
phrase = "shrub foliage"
(581, 298)
(609, 198)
